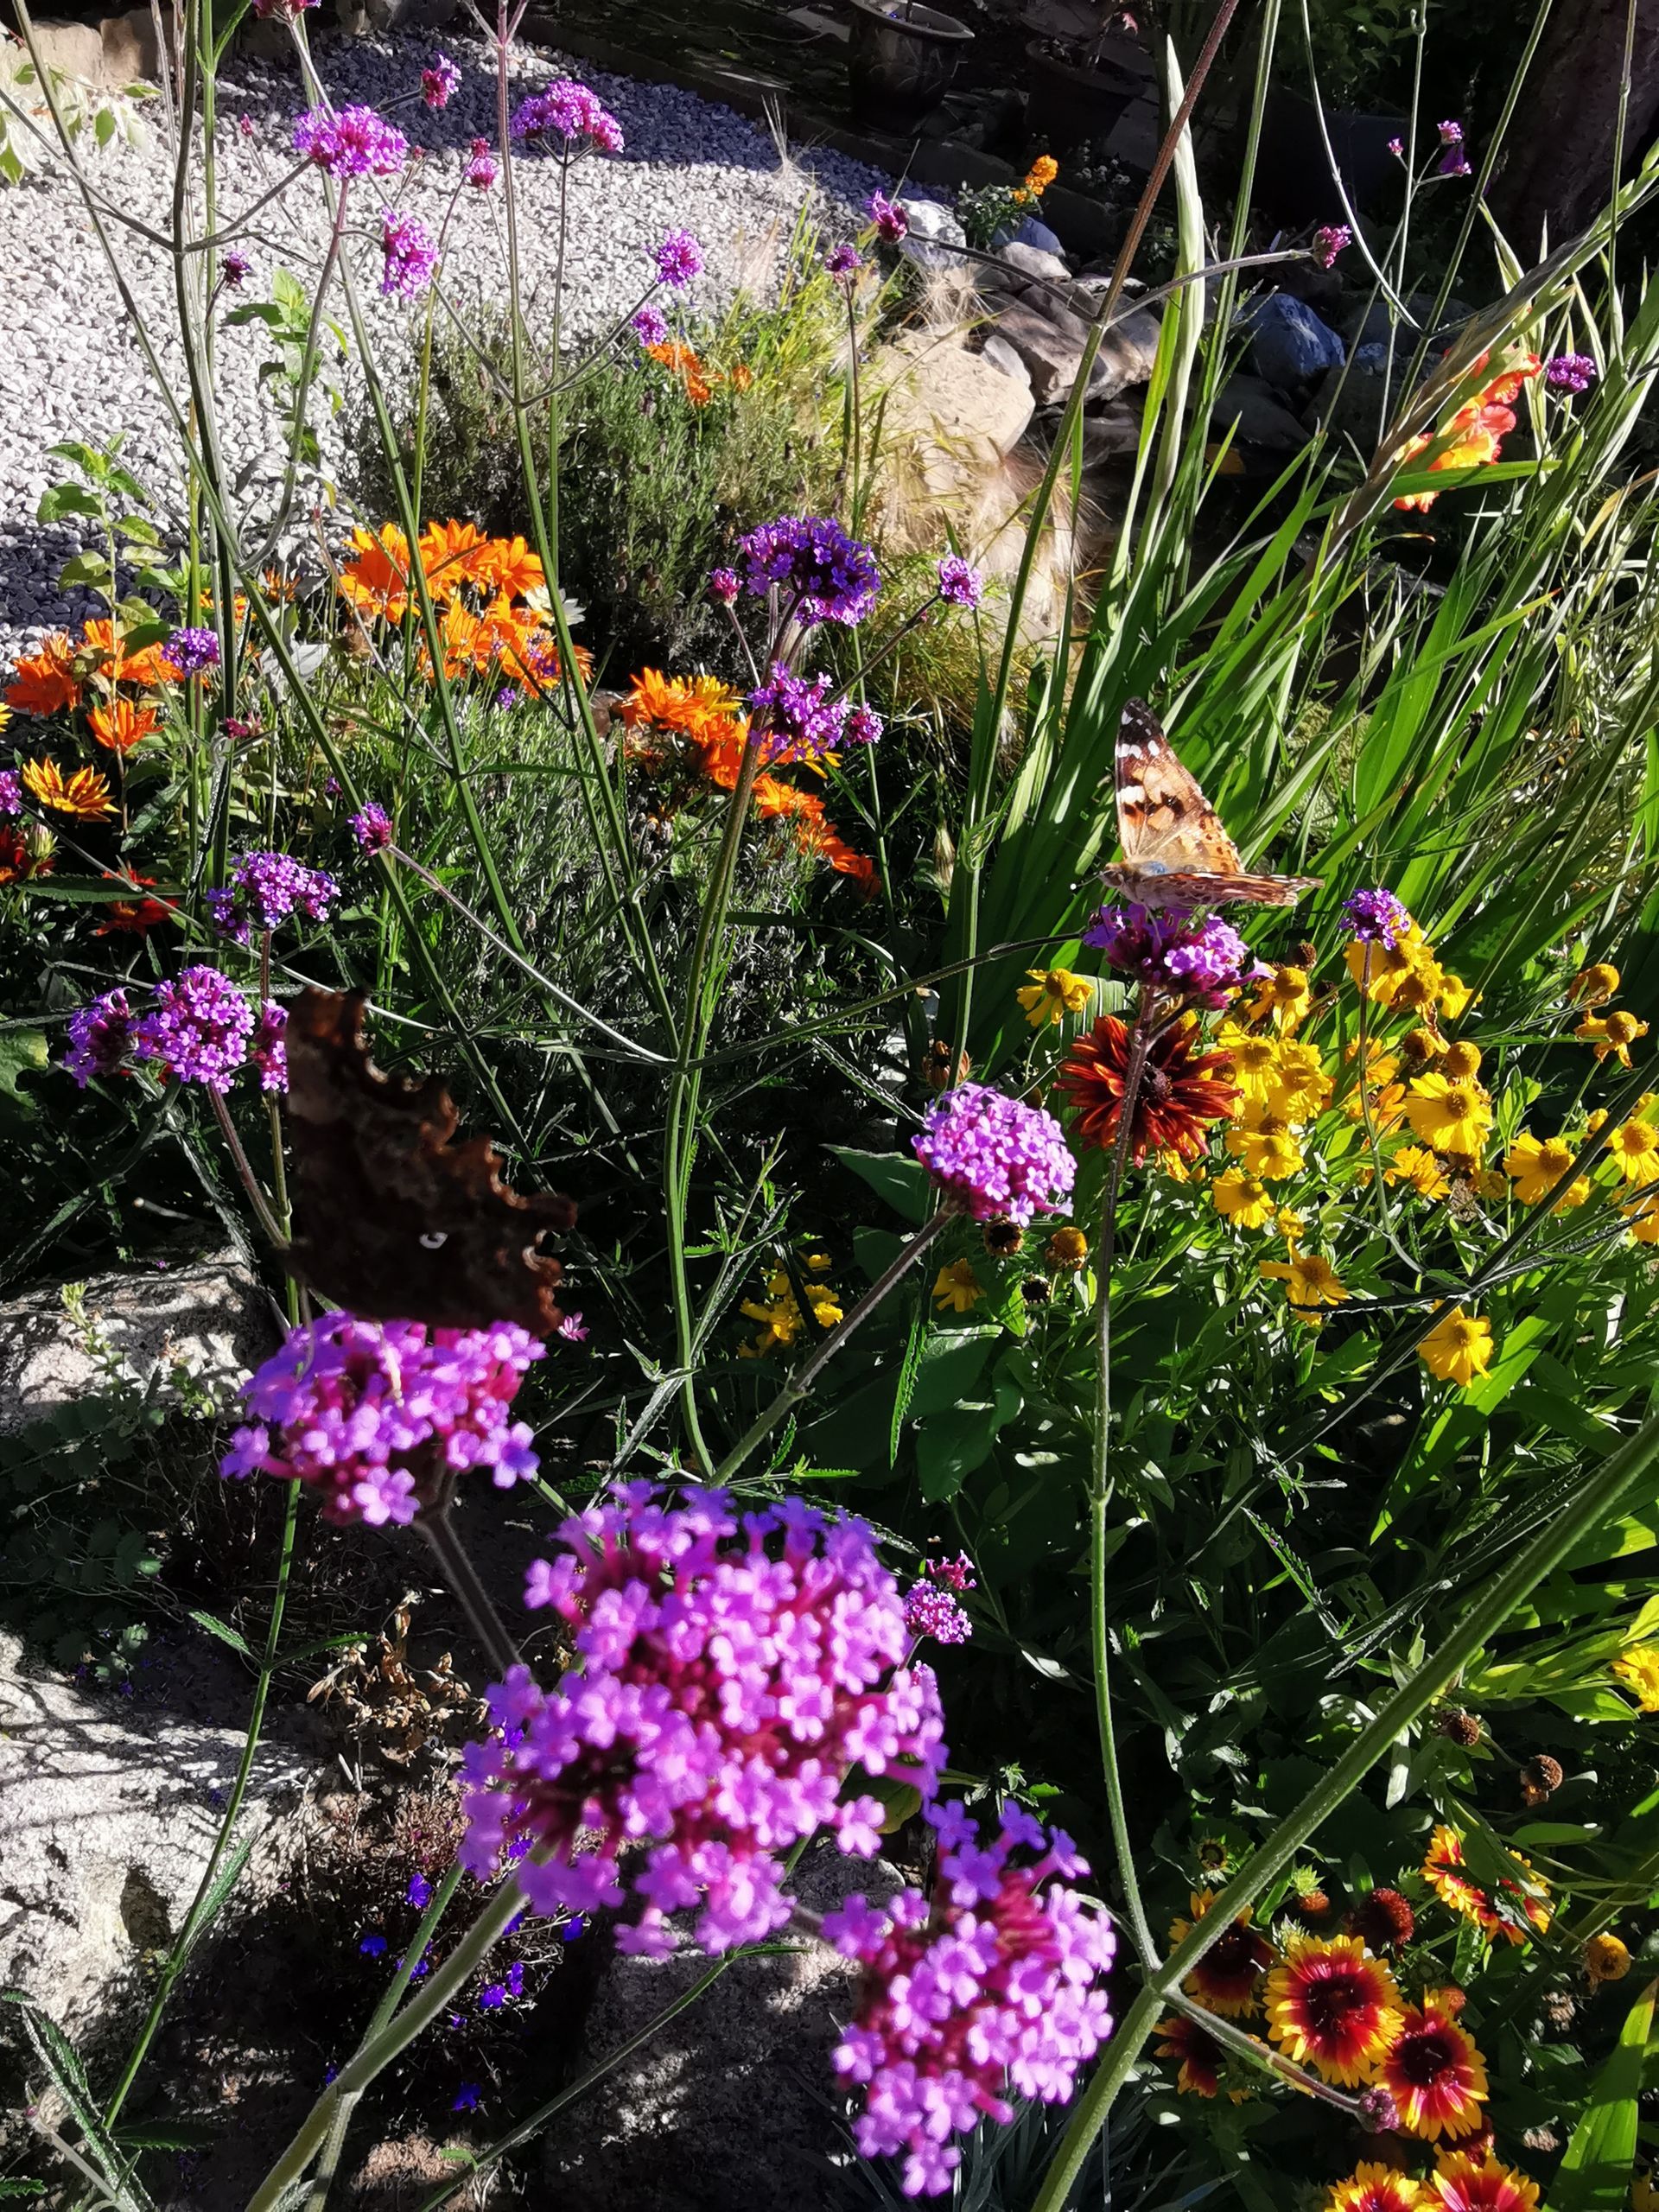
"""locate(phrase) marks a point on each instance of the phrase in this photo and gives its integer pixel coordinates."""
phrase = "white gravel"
(73, 366)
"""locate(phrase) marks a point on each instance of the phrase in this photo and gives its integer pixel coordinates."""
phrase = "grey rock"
(1001, 355)
(933, 232)
(1289, 345)
(75, 50)
(1264, 420)
(213, 1320)
(131, 54)
(1028, 261)
(1127, 353)
(1051, 344)
(1111, 432)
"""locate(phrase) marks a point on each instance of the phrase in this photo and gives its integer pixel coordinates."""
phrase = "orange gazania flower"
(452, 554)
(1180, 1094)
(509, 565)
(83, 793)
(46, 682)
(1228, 1976)
(1433, 2072)
(681, 361)
(105, 645)
(1200, 2056)
(375, 581)
(1333, 2007)
(1373, 2187)
(121, 724)
(1465, 2184)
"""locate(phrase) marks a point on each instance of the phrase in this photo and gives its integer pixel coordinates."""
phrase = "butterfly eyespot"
(433, 1238)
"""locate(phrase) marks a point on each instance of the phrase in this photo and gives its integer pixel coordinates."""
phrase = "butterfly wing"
(1164, 823)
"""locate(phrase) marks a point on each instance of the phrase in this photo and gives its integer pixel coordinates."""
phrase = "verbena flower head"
(1454, 161)
(190, 651)
(351, 142)
(198, 1026)
(796, 718)
(843, 260)
(378, 1416)
(650, 326)
(993, 1157)
(410, 254)
(1205, 961)
(100, 1036)
(823, 574)
(482, 169)
(440, 84)
(990, 1984)
(1329, 240)
(730, 1669)
(236, 269)
(264, 889)
(568, 111)
(889, 217)
(679, 259)
(960, 584)
(1376, 918)
(267, 1047)
(929, 1611)
(11, 786)
(371, 827)
(723, 587)
(1570, 372)
(863, 726)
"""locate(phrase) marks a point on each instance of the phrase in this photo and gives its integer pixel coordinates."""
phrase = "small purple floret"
(371, 827)
(411, 255)
(995, 1158)
(1205, 961)
(722, 587)
(190, 651)
(236, 269)
(440, 84)
(11, 783)
(198, 1026)
(843, 260)
(1330, 240)
(650, 326)
(1570, 372)
(264, 889)
(99, 1035)
(482, 169)
(889, 217)
(959, 583)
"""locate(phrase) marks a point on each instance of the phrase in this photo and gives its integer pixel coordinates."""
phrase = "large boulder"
(1050, 340)
(959, 404)
(1290, 347)
(1262, 420)
(934, 231)
(212, 1320)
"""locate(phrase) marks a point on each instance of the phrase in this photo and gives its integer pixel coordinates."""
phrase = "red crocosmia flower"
(1181, 1092)
(1201, 2056)
(1433, 2072)
(1333, 2007)
(1226, 1978)
(1465, 2184)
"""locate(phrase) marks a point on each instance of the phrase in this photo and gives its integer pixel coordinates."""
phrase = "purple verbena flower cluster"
(1376, 918)
(566, 109)
(198, 1026)
(1205, 961)
(440, 84)
(823, 574)
(679, 259)
(843, 261)
(353, 142)
(267, 1047)
(377, 1414)
(482, 167)
(264, 889)
(235, 270)
(1454, 161)
(989, 1984)
(931, 1610)
(650, 326)
(1329, 240)
(99, 1035)
(723, 587)
(410, 254)
(804, 721)
(1570, 372)
(11, 791)
(190, 651)
(889, 217)
(371, 827)
(731, 1669)
(960, 583)
(993, 1157)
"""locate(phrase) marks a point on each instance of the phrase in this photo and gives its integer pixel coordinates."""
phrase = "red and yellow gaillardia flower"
(1228, 1976)
(1373, 2187)
(1443, 1872)
(1332, 2006)
(1200, 2057)
(1433, 2072)
(1466, 2184)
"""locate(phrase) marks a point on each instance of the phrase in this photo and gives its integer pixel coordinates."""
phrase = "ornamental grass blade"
(1596, 2173)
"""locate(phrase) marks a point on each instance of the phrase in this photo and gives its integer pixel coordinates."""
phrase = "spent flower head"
(994, 1158)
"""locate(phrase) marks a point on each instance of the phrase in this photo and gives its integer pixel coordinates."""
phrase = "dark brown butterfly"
(393, 1219)
(1175, 851)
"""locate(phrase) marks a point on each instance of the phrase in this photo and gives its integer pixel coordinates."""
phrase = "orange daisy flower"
(509, 565)
(1200, 2056)
(452, 555)
(1465, 2184)
(1333, 2007)
(1228, 1975)
(83, 793)
(1433, 2072)
(46, 682)
(121, 724)
(1373, 2187)
(375, 581)
(1181, 1093)
(105, 646)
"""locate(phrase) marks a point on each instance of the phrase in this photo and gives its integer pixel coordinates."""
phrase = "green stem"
(456, 1562)
(1599, 1498)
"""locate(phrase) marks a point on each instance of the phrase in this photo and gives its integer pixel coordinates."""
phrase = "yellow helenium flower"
(1054, 993)
(1067, 1248)
(1300, 1088)
(1643, 1219)
(1243, 1199)
(1613, 1036)
(83, 793)
(1638, 1670)
(1313, 1282)
(957, 1287)
(1290, 1226)
(1284, 994)
(1633, 1147)
(1535, 1164)
(1411, 1164)
(1595, 985)
(1255, 1059)
(1454, 995)
(1457, 1348)
(1462, 1062)
(1267, 1150)
(1451, 1116)
(1387, 968)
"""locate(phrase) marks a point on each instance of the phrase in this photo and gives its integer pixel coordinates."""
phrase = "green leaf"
(223, 1630)
(1595, 2174)
(22, 1050)
(84, 569)
(901, 1182)
(66, 499)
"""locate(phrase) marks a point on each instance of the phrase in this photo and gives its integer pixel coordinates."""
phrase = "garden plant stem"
(465, 1581)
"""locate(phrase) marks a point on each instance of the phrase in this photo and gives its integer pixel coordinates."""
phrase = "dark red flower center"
(1425, 2057)
(1331, 2003)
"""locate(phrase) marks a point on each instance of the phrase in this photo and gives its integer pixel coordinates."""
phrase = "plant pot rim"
(1102, 70)
(922, 21)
